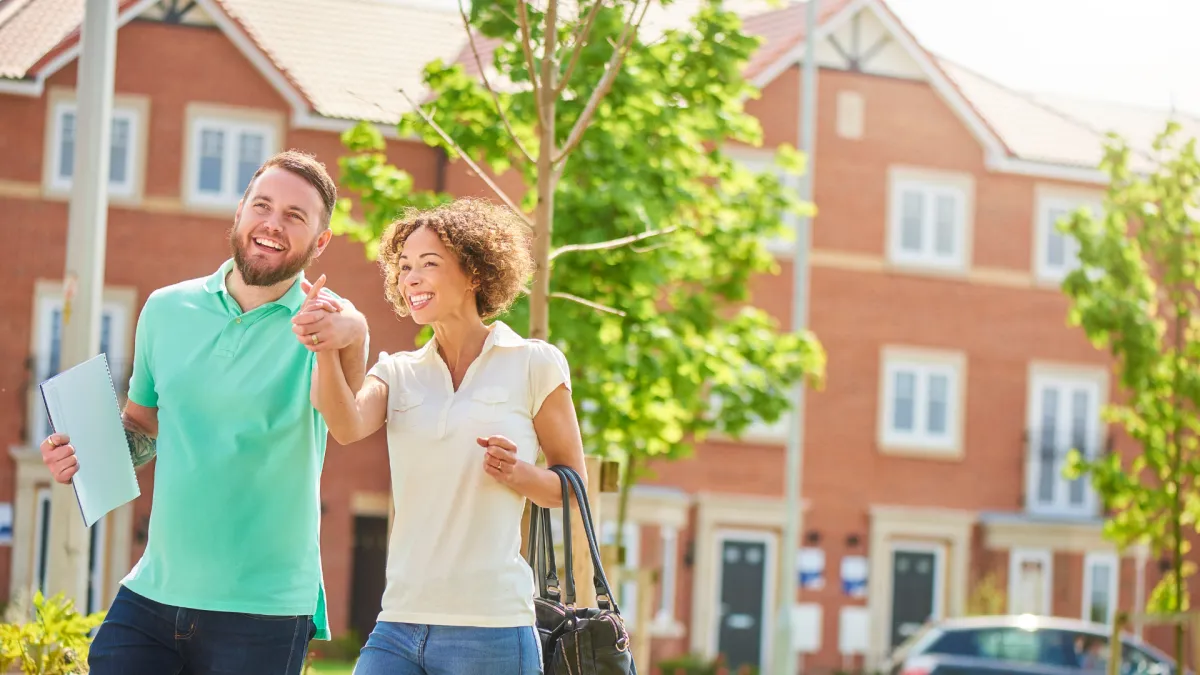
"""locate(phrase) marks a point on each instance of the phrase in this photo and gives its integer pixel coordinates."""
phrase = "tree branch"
(527, 49)
(612, 243)
(588, 303)
(470, 162)
(628, 34)
(488, 85)
(580, 40)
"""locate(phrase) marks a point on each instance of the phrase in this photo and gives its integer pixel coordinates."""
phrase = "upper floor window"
(1056, 254)
(224, 154)
(1064, 415)
(123, 148)
(929, 220)
(921, 405)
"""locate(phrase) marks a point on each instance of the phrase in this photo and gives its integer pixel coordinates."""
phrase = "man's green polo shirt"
(235, 521)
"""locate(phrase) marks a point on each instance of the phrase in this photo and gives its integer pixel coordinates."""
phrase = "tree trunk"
(543, 215)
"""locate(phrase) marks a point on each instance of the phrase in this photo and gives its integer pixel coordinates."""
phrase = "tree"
(1137, 294)
(653, 232)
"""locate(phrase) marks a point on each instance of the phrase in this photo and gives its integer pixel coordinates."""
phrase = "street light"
(784, 662)
(83, 282)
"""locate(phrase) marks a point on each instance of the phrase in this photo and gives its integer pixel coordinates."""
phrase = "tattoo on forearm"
(142, 448)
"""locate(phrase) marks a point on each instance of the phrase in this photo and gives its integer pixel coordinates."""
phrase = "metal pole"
(87, 226)
(785, 661)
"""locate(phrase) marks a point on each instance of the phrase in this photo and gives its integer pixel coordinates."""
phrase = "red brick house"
(954, 384)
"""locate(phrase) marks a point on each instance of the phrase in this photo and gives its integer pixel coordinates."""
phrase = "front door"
(914, 590)
(743, 583)
(370, 573)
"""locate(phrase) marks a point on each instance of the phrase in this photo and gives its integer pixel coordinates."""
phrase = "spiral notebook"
(81, 402)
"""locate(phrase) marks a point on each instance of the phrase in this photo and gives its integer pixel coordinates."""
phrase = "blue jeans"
(412, 649)
(142, 637)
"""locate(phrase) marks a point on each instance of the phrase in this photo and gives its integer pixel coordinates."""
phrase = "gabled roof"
(341, 60)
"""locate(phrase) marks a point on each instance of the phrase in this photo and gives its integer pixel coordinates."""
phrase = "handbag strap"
(541, 553)
(604, 595)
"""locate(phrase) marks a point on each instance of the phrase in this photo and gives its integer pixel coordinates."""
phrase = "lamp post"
(784, 661)
(87, 225)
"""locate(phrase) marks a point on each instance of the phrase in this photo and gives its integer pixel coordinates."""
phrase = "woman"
(465, 415)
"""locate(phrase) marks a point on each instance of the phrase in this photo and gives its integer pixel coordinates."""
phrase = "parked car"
(1023, 645)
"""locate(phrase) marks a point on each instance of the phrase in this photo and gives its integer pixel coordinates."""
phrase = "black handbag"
(575, 640)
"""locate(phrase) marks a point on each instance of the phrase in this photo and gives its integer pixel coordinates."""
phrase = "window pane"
(903, 401)
(250, 157)
(1056, 242)
(118, 161)
(1080, 410)
(212, 152)
(66, 150)
(1048, 452)
(944, 226)
(1102, 574)
(911, 215)
(55, 343)
(939, 386)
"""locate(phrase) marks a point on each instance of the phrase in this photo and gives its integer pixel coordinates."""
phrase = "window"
(224, 156)
(665, 613)
(929, 218)
(113, 324)
(41, 541)
(1100, 574)
(1015, 645)
(763, 161)
(123, 139)
(1064, 416)
(921, 402)
(1030, 573)
(626, 591)
(1057, 254)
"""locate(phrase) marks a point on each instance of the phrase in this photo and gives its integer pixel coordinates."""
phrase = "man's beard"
(256, 273)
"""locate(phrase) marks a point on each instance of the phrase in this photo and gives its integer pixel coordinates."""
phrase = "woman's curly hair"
(490, 242)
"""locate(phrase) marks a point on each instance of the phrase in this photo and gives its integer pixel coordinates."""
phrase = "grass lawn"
(332, 667)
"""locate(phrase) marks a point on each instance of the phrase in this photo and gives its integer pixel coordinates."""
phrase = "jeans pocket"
(270, 617)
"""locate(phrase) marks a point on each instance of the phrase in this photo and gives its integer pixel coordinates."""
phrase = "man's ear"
(323, 240)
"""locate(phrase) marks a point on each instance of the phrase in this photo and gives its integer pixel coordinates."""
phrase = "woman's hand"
(500, 461)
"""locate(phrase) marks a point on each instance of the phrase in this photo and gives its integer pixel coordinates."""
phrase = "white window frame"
(1113, 561)
(1048, 200)
(48, 296)
(1041, 375)
(930, 184)
(759, 160)
(133, 109)
(627, 589)
(1016, 557)
(924, 364)
(769, 573)
(230, 193)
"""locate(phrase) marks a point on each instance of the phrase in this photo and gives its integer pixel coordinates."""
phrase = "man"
(230, 580)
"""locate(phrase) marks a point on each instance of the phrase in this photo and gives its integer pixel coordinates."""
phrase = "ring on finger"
(315, 340)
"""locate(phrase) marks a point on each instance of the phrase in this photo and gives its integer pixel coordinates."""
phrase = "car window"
(1092, 652)
(1014, 645)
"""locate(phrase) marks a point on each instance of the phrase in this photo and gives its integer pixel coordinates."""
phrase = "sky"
(1142, 52)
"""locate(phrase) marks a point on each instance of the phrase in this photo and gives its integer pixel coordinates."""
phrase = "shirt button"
(238, 320)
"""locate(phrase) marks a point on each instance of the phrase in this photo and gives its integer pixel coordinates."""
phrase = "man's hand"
(324, 323)
(59, 456)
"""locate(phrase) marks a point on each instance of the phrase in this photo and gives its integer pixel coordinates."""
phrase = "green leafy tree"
(55, 642)
(646, 235)
(1137, 294)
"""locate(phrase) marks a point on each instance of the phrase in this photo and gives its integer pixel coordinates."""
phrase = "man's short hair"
(307, 167)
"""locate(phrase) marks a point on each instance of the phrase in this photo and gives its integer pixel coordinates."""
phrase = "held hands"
(500, 460)
(323, 323)
(59, 456)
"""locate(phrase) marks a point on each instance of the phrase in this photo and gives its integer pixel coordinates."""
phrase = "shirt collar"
(499, 336)
(293, 299)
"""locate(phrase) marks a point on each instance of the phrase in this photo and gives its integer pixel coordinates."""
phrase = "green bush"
(55, 642)
(696, 665)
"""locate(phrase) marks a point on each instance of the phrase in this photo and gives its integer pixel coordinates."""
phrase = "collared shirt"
(454, 555)
(235, 521)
